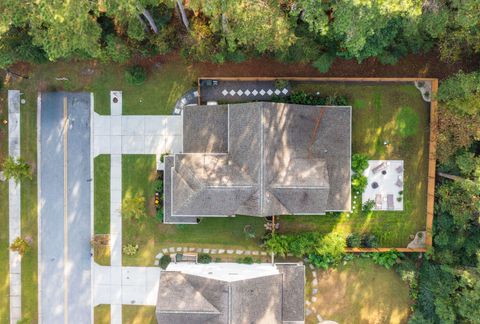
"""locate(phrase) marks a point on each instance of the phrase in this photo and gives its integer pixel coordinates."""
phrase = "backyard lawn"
(375, 119)
(138, 177)
(360, 292)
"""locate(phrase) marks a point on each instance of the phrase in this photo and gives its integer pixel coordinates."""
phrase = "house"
(259, 159)
(231, 293)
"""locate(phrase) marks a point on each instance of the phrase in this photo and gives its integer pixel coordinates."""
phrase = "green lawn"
(29, 214)
(374, 120)
(138, 314)
(4, 267)
(157, 96)
(360, 292)
(101, 194)
(101, 314)
(138, 176)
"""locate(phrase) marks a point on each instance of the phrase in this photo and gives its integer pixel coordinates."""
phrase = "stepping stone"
(213, 251)
(254, 92)
(239, 252)
(284, 91)
(191, 249)
(263, 253)
(277, 92)
(319, 318)
(240, 92)
(308, 312)
(314, 274)
(179, 249)
(262, 92)
(165, 250)
(159, 256)
(230, 251)
(247, 92)
(221, 251)
(157, 262)
(232, 92)
(289, 254)
(314, 299)
(311, 266)
(315, 282)
(248, 252)
(307, 302)
(171, 249)
(269, 92)
(224, 92)
(185, 249)
(255, 253)
(206, 250)
(314, 291)
(198, 250)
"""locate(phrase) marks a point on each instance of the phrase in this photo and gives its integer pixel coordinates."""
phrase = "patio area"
(385, 184)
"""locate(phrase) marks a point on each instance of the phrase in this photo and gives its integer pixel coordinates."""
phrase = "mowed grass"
(374, 114)
(151, 235)
(138, 314)
(101, 203)
(101, 314)
(156, 96)
(360, 292)
(29, 209)
(4, 259)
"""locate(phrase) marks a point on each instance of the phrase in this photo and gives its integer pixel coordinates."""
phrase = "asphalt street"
(64, 215)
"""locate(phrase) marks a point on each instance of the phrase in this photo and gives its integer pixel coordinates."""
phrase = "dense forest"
(313, 31)
(303, 31)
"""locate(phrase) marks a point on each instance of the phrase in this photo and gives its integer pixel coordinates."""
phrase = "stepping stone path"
(239, 252)
(254, 92)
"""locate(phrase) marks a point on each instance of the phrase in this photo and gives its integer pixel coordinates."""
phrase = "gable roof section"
(281, 159)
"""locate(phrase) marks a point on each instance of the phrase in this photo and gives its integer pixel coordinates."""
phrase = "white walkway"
(125, 285)
(117, 134)
(14, 206)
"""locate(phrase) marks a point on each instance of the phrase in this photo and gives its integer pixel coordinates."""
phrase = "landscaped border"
(432, 146)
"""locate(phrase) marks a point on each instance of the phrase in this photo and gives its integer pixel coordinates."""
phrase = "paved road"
(65, 267)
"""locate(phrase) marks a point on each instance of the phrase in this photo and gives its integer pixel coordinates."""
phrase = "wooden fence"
(432, 148)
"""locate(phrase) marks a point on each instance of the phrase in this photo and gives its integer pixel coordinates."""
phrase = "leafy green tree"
(16, 169)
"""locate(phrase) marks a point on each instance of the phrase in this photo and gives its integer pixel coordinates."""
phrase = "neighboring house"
(232, 293)
(259, 159)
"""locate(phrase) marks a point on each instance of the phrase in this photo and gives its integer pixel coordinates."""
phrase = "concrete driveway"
(64, 208)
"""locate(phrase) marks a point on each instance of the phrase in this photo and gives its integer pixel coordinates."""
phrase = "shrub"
(249, 231)
(134, 207)
(359, 183)
(130, 249)
(20, 245)
(204, 258)
(369, 241)
(324, 62)
(16, 169)
(159, 215)
(165, 261)
(367, 207)
(354, 240)
(359, 163)
(386, 259)
(116, 50)
(135, 75)
(277, 244)
(280, 83)
(407, 122)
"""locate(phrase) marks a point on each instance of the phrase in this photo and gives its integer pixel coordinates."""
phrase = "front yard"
(375, 109)
(151, 235)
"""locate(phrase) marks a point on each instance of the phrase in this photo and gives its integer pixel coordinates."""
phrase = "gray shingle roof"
(280, 159)
(185, 298)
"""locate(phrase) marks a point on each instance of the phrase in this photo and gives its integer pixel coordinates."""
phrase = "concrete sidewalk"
(14, 221)
(125, 285)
